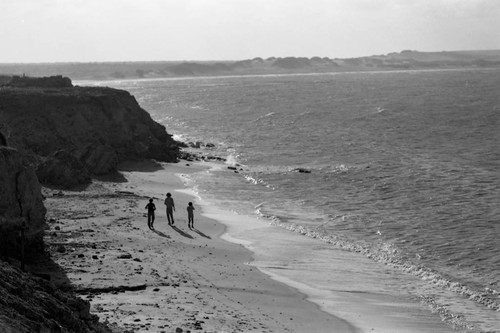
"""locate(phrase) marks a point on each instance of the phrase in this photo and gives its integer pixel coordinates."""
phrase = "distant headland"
(404, 60)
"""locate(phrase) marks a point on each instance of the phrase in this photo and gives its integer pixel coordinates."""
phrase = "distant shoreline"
(404, 60)
(103, 82)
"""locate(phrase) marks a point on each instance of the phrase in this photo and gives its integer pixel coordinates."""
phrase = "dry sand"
(172, 279)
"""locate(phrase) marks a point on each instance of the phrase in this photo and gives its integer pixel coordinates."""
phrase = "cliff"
(20, 204)
(60, 134)
(76, 132)
(57, 81)
(27, 303)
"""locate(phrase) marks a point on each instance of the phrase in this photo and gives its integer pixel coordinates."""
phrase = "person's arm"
(173, 204)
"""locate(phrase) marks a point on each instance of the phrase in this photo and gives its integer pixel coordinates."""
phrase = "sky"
(157, 30)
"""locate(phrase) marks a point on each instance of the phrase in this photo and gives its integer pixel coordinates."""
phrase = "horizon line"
(228, 60)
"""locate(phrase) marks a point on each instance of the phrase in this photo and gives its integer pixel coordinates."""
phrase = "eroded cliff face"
(21, 203)
(29, 304)
(65, 134)
(76, 132)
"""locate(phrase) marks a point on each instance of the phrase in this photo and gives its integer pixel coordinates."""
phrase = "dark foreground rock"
(21, 203)
(87, 129)
(29, 304)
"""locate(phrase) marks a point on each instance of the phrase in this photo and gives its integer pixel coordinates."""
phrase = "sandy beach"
(171, 279)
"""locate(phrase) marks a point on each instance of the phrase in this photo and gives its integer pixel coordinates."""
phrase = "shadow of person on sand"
(201, 233)
(182, 233)
(159, 233)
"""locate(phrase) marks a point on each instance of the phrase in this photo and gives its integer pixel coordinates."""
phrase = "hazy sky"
(132, 30)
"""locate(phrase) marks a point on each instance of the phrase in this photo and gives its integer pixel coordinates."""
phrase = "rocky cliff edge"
(63, 134)
(75, 132)
(29, 303)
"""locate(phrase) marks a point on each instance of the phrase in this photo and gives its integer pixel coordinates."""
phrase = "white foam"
(345, 284)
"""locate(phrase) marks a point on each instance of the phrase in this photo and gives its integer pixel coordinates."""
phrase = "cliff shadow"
(3, 140)
(115, 177)
(42, 266)
(74, 188)
(140, 166)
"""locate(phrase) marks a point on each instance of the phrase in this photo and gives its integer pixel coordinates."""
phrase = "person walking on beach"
(169, 202)
(151, 213)
(190, 210)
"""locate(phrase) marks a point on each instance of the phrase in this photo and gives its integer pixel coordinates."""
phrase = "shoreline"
(363, 292)
(171, 278)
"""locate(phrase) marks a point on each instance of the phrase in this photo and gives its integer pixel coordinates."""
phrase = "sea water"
(401, 167)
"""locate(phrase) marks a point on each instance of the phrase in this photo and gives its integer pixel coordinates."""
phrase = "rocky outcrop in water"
(86, 130)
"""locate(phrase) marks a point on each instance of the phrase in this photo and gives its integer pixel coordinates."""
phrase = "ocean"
(399, 168)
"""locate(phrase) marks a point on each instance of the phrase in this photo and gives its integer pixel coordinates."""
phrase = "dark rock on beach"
(302, 170)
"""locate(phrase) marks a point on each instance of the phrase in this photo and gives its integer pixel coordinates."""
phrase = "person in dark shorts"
(151, 213)
(190, 210)
(169, 202)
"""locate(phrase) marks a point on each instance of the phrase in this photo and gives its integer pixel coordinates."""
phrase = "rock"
(21, 201)
(31, 304)
(125, 256)
(98, 126)
(100, 159)
(44, 276)
(47, 82)
(63, 169)
(302, 170)
(196, 144)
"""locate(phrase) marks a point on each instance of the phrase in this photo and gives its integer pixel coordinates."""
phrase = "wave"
(291, 169)
(264, 116)
(393, 257)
